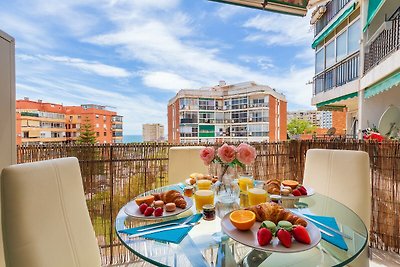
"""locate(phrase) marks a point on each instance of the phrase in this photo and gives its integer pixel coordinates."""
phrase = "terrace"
(114, 174)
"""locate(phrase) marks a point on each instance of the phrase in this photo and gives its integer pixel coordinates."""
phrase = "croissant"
(275, 213)
(273, 186)
(173, 196)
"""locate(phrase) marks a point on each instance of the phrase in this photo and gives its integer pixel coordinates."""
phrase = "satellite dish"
(331, 131)
(389, 123)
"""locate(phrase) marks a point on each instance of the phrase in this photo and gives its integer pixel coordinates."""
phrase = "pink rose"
(227, 153)
(207, 155)
(246, 153)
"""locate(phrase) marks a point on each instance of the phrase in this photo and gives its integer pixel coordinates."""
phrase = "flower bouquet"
(227, 157)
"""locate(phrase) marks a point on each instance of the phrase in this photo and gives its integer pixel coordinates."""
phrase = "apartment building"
(244, 112)
(103, 122)
(153, 132)
(39, 122)
(312, 116)
(357, 59)
(323, 120)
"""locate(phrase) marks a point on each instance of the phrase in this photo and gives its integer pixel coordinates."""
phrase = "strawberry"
(264, 236)
(143, 207)
(301, 235)
(148, 211)
(285, 237)
(296, 193)
(302, 190)
(158, 211)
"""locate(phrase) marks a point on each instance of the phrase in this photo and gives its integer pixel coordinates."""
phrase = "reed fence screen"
(114, 174)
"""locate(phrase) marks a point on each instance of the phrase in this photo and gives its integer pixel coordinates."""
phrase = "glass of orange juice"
(245, 182)
(204, 184)
(203, 197)
(256, 196)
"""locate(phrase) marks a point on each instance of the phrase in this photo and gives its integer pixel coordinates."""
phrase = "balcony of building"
(337, 75)
(116, 118)
(331, 10)
(384, 41)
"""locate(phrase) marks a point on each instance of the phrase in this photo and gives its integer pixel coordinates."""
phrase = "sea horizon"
(132, 138)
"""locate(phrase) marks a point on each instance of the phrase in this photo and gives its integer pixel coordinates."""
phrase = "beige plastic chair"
(343, 175)
(183, 161)
(44, 216)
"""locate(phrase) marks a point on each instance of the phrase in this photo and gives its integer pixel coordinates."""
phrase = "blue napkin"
(336, 239)
(174, 236)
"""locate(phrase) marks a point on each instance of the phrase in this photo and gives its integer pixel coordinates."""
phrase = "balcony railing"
(385, 43)
(332, 8)
(114, 174)
(341, 73)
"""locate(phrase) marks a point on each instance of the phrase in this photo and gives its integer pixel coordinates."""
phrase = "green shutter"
(337, 99)
(373, 8)
(206, 130)
(383, 85)
(336, 23)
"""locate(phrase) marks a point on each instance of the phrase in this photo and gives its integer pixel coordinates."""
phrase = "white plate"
(249, 237)
(132, 209)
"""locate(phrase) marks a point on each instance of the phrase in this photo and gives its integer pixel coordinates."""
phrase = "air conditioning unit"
(317, 14)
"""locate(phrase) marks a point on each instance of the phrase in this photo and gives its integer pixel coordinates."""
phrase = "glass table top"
(202, 247)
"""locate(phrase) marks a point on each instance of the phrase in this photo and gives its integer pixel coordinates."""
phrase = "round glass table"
(201, 247)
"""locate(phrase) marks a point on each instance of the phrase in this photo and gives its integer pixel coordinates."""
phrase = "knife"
(163, 229)
(326, 226)
(188, 219)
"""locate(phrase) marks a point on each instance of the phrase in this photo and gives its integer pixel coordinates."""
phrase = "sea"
(130, 138)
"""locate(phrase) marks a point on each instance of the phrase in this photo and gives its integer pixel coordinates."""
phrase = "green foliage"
(86, 133)
(297, 126)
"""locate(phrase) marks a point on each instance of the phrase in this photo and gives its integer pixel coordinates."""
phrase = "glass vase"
(226, 188)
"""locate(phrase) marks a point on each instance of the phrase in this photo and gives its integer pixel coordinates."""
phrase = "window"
(330, 54)
(354, 36)
(105, 133)
(97, 134)
(320, 61)
(341, 46)
(97, 125)
(104, 118)
(97, 116)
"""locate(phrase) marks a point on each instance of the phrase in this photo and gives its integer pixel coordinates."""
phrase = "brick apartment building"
(244, 112)
(39, 122)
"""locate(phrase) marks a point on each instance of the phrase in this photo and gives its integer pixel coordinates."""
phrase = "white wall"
(7, 109)
(376, 105)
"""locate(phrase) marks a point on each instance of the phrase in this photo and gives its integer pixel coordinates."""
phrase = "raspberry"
(158, 212)
(143, 207)
(148, 211)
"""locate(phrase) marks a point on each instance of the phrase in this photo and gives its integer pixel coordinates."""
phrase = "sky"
(134, 55)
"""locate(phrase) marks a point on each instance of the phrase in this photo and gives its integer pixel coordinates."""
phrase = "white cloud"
(276, 29)
(167, 81)
(226, 12)
(81, 64)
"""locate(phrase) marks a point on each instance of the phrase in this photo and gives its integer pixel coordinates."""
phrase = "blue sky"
(135, 55)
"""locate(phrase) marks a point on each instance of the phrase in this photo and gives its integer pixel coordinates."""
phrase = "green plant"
(297, 126)
(86, 133)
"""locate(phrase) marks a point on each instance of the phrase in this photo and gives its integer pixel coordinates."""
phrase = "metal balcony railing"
(384, 44)
(341, 73)
(332, 8)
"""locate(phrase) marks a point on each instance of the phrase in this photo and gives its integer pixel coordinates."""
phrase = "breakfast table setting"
(233, 220)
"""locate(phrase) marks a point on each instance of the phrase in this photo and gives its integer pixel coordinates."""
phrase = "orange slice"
(242, 219)
(146, 199)
(292, 183)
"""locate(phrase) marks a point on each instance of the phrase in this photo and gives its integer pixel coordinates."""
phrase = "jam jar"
(188, 191)
(209, 212)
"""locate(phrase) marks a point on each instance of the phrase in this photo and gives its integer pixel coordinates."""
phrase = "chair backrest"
(183, 161)
(45, 219)
(343, 175)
